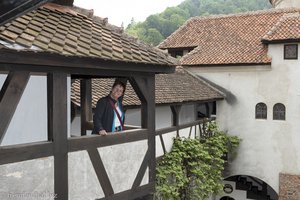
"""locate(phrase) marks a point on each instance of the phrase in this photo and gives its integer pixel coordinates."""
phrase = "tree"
(173, 17)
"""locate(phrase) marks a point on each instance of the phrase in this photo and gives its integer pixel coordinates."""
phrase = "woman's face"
(117, 91)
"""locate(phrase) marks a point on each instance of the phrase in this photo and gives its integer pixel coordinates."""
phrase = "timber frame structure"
(19, 65)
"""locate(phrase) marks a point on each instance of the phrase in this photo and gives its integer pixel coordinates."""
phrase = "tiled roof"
(226, 39)
(63, 30)
(169, 88)
(287, 28)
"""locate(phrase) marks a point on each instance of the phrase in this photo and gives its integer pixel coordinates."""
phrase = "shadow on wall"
(229, 97)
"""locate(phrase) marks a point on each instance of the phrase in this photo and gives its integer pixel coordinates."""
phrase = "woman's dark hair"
(118, 82)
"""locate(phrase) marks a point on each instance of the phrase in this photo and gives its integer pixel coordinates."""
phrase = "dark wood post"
(57, 104)
(145, 88)
(175, 117)
(85, 103)
(207, 110)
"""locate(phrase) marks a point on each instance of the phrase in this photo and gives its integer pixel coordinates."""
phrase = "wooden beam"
(74, 63)
(175, 117)
(145, 89)
(85, 103)
(76, 72)
(14, 10)
(96, 141)
(10, 96)
(22, 152)
(162, 143)
(174, 128)
(101, 172)
(140, 175)
(57, 84)
(133, 193)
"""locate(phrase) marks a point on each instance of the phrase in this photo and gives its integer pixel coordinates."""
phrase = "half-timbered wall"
(113, 166)
(29, 123)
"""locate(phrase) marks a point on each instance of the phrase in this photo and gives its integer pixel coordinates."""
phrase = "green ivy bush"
(193, 168)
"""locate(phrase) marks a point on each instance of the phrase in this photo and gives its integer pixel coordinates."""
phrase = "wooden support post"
(207, 110)
(175, 117)
(10, 96)
(145, 89)
(57, 123)
(85, 103)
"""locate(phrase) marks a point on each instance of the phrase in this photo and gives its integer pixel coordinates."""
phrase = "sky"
(122, 11)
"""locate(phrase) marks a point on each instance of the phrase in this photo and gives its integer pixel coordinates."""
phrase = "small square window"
(291, 51)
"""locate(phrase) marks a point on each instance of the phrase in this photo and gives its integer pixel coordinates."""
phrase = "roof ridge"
(278, 24)
(248, 13)
(177, 30)
(219, 16)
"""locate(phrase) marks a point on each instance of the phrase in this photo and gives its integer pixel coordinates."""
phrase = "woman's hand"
(102, 132)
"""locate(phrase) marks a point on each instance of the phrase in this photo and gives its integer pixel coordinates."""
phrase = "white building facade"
(254, 58)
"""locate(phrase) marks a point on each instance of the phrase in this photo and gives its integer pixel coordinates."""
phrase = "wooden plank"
(133, 193)
(96, 141)
(22, 152)
(85, 104)
(57, 84)
(10, 95)
(140, 175)
(101, 172)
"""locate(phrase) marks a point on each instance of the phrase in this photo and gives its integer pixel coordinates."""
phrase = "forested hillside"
(159, 26)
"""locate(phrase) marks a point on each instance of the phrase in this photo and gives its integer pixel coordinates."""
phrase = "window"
(291, 51)
(261, 111)
(279, 111)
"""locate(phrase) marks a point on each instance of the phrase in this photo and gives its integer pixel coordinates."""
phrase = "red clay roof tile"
(178, 87)
(230, 39)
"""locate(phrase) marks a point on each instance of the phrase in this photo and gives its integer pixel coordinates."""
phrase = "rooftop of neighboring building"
(232, 39)
(179, 87)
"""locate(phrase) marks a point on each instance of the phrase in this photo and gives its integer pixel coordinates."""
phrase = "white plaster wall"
(269, 146)
(121, 162)
(286, 3)
(33, 179)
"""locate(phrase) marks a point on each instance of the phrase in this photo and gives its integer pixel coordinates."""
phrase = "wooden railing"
(198, 125)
